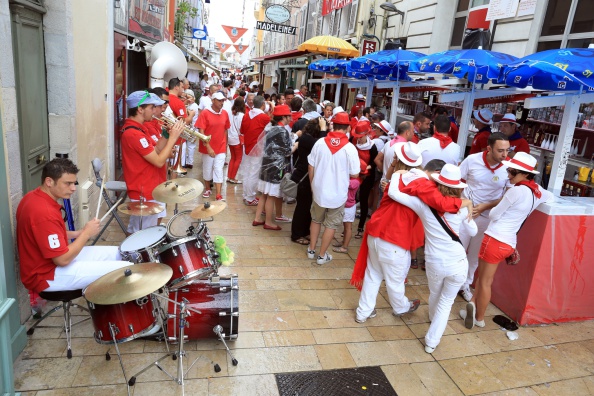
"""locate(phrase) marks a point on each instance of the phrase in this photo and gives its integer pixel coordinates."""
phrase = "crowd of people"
(406, 183)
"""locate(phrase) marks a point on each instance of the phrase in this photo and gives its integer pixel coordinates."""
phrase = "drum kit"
(175, 264)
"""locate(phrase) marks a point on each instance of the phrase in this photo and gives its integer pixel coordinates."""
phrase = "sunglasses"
(146, 95)
(513, 172)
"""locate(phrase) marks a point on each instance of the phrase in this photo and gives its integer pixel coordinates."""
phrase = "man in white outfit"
(487, 181)
(440, 145)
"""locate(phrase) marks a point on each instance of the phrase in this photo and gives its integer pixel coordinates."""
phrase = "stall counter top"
(564, 206)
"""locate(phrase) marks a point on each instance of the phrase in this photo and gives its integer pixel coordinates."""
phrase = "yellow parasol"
(329, 45)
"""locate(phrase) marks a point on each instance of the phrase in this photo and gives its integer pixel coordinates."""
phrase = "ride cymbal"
(208, 209)
(178, 190)
(128, 283)
(140, 209)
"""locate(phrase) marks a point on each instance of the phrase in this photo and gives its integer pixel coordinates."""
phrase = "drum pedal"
(218, 330)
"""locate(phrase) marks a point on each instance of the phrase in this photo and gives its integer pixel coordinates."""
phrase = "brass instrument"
(190, 134)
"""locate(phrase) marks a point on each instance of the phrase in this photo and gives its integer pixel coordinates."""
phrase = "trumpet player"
(214, 122)
(142, 160)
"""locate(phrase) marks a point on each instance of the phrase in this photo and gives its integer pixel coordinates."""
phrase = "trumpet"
(190, 134)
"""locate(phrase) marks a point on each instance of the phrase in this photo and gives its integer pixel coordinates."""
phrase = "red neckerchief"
(489, 166)
(444, 140)
(531, 184)
(335, 141)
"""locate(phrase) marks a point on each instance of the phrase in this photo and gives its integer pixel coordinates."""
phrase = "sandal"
(414, 263)
(340, 249)
(359, 233)
(337, 244)
(301, 241)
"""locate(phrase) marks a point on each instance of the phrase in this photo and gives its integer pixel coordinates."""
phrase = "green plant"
(184, 11)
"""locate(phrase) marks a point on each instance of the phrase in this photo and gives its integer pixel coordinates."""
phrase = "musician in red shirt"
(47, 261)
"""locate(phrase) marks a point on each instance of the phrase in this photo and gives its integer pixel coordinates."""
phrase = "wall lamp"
(389, 7)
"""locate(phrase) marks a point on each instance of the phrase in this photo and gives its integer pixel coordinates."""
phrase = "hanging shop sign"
(368, 47)
(276, 28)
(156, 9)
(277, 13)
(293, 63)
(330, 5)
(200, 34)
(233, 32)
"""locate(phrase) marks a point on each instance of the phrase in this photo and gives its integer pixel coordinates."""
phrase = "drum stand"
(179, 355)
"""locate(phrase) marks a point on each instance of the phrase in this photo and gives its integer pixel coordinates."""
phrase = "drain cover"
(343, 382)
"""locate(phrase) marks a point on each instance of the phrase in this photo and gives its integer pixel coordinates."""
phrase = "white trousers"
(389, 262)
(188, 150)
(250, 169)
(147, 221)
(213, 168)
(444, 283)
(473, 245)
(91, 263)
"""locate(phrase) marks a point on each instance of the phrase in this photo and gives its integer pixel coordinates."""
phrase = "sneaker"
(283, 219)
(290, 201)
(206, 194)
(324, 260)
(253, 202)
(429, 349)
(414, 305)
(311, 254)
(220, 198)
(466, 294)
(372, 315)
(470, 315)
(477, 323)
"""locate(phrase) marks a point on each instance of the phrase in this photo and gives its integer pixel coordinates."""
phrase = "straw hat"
(450, 176)
(408, 153)
(523, 162)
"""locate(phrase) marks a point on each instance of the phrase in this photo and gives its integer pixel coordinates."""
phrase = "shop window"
(458, 33)
(556, 17)
(567, 24)
(461, 19)
(547, 45)
(583, 21)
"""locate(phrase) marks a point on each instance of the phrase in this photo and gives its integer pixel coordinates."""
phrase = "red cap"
(362, 128)
(341, 118)
(281, 110)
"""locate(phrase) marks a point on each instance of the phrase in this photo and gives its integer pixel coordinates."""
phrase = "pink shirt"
(353, 187)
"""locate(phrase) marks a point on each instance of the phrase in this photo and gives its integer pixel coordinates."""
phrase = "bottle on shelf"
(570, 194)
(553, 143)
(579, 192)
(564, 190)
(575, 176)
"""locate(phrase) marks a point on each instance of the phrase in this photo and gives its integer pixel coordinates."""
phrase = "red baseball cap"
(341, 118)
(281, 110)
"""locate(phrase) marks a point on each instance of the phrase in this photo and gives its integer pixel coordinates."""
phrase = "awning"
(197, 57)
(281, 55)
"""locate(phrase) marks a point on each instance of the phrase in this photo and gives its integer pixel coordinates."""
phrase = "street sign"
(273, 27)
(199, 34)
(277, 13)
(368, 47)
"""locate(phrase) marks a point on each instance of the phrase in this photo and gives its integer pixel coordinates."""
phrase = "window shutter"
(310, 20)
(331, 24)
(320, 20)
(336, 25)
(353, 16)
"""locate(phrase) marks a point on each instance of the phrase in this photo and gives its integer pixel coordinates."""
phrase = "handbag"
(288, 187)
(514, 258)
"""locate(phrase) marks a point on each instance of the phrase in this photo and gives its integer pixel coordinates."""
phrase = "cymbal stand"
(184, 311)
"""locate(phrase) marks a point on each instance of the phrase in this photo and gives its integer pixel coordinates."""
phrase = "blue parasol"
(332, 66)
(565, 69)
(383, 64)
(478, 65)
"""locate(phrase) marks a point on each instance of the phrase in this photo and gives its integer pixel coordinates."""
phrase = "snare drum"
(219, 304)
(182, 225)
(141, 246)
(189, 260)
(129, 320)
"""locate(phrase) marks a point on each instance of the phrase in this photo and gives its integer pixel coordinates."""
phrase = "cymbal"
(209, 209)
(128, 283)
(140, 209)
(178, 190)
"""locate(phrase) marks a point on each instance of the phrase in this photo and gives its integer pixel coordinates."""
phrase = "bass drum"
(219, 304)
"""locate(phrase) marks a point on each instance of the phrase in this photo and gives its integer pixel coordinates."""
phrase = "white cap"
(190, 92)
(360, 96)
(218, 95)
(337, 109)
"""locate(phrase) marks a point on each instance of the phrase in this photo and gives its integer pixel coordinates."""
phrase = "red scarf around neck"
(444, 140)
(488, 166)
(531, 184)
(335, 141)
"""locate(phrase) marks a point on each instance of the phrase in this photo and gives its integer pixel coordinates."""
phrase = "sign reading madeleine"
(273, 27)
(277, 13)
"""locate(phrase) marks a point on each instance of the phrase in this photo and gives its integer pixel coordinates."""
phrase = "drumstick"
(112, 208)
(100, 194)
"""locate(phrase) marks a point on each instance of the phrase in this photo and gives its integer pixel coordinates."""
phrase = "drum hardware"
(218, 330)
(209, 209)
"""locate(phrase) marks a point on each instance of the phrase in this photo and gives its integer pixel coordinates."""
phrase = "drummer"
(47, 261)
(143, 162)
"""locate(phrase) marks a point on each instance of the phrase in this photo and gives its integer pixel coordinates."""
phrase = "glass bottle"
(579, 192)
(570, 194)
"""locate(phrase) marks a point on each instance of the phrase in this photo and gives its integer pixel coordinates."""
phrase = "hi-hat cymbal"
(208, 209)
(178, 190)
(128, 283)
(140, 209)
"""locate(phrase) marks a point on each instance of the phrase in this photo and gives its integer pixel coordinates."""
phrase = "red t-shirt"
(480, 141)
(454, 130)
(154, 133)
(141, 176)
(518, 145)
(41, 236)
(177, 106)
(216, 126)
(251, 128)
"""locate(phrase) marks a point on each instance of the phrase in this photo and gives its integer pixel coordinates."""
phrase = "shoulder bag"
(288, 187)
(447, 229)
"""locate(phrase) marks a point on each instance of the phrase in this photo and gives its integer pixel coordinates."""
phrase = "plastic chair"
(118, 187)
(66, 298)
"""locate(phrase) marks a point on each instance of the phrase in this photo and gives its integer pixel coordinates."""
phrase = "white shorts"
(349, 214)
(89, 265)
(212, 168)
